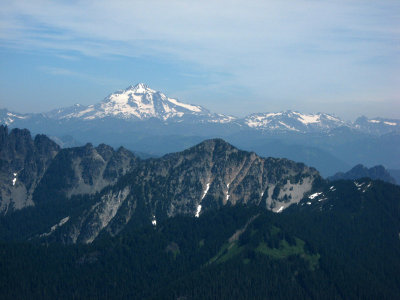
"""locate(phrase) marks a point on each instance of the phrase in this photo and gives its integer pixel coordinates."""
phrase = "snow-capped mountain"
(137, 102)
(294, 121)
(377, 125)
(141, 103)
(8, 118)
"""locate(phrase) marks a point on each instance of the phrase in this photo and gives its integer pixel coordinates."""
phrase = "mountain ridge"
(25, 164)
(207, 176)
(120, 188)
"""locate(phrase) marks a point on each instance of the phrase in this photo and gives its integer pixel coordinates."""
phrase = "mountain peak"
(140, 88)
(217, 148)
(142, 85)
(214, 143)
(141, 102)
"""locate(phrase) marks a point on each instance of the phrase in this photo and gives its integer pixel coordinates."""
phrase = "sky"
(232, 57)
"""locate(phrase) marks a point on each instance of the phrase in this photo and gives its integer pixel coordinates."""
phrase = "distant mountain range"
(147, 121)
(140, 103)
(360, 171)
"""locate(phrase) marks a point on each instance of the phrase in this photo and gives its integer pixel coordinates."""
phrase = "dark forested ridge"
(211, 222)
(344, 247)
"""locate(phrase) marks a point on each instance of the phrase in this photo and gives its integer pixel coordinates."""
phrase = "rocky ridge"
(117, 188)
(33, 167)
(208, 176)
(23, 163)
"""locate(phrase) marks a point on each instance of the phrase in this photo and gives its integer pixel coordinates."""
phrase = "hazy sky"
(234, 57)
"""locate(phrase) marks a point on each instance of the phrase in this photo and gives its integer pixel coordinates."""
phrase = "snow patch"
(390, 123)
(16, 116)
(14, 179)
(358, 185)
(366, 188)
(184, 105)
(198, 211)
(374, 121)
(205, 191)
(261, 120)
(314, 195)
(83, 112)
(63, 221)
(331, 118)
(280, 209)
(167, 109)
(255, 123)
(222, 119)
(288, 127)
(272, 115)
(227, 192)
(307, 119)
(53, 228)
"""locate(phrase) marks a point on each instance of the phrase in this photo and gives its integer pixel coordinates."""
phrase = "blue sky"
(234, 57)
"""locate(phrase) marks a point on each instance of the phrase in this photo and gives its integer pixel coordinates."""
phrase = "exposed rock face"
(101, 215)
(209, 175)
(117, 188)
(216, 170)
(23, 162)
(85, 170)
(36, 170)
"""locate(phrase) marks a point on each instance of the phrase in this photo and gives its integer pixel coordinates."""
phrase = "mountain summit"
(137, 102)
